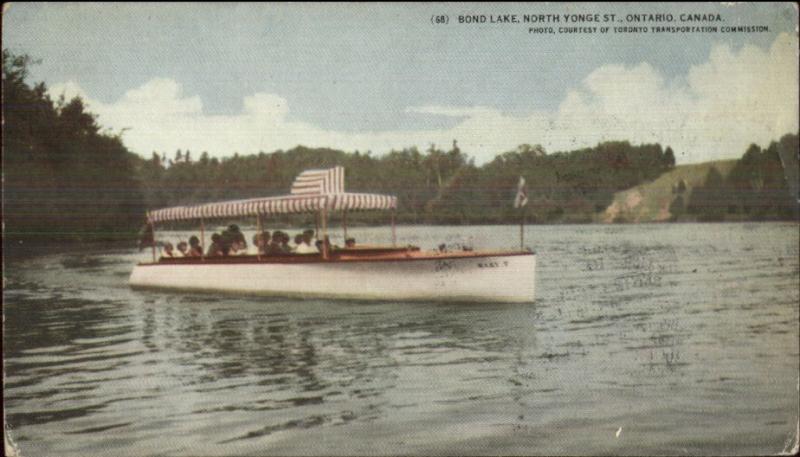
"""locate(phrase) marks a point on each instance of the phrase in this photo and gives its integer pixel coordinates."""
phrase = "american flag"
(319, 182)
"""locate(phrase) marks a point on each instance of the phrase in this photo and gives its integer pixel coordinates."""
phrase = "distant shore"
(32, 247)
(21, 249)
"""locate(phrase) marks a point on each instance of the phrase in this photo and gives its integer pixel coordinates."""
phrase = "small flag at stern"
(522, 194)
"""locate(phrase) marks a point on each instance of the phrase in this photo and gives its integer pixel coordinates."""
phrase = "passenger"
(276, 247)
(216, 246)
(326, 246)
(223, 242)
(285, 243)
(183, 249)
(260, 242)
(229, 237)
(195, 250)
(298, 241)
(241, 240)
(305, 247)
(167, 250)
(350, 243)
(265, 243)
(239, 245)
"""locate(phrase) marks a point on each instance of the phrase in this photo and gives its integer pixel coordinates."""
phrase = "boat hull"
(473, 278)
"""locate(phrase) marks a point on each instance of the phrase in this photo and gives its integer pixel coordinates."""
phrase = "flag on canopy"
(522, 194)
(319, 182)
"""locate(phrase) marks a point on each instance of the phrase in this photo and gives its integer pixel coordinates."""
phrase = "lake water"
(665, 339)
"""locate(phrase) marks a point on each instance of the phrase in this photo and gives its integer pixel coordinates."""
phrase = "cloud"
(714, 111)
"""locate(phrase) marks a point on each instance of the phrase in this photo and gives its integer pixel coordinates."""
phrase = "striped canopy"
(301, 202)
(318, 182)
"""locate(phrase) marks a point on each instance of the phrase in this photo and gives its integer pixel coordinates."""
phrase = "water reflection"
(58, 352)
(615, 326)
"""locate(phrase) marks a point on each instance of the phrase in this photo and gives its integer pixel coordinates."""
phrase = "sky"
(242, 78)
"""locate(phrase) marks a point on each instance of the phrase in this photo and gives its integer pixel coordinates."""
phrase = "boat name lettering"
(493, 264)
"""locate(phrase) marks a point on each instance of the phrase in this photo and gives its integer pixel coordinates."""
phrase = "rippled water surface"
(684, 336)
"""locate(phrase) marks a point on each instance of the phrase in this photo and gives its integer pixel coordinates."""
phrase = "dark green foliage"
(438, 186)
(565, 186)
(708, 201)
(63, 179)
(669, 158)
(756, 189)
(677, 208)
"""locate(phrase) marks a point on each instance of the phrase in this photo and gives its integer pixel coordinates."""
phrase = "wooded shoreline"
(66, 179)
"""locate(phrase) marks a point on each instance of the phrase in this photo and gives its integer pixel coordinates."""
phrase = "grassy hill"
(650, 201)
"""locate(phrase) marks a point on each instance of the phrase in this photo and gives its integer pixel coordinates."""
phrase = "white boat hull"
(490, 278)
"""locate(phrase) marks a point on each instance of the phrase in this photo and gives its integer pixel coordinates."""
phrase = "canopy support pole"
(260, 230)
(522, 231)
(202, 240)
(325, 247)
(154, 242)
(344, 224)
(394, 230)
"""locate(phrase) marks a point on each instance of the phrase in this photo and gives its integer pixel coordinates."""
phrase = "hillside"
(650, 201)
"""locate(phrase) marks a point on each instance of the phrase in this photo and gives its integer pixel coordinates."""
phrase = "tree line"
(65, 178)
(62, 177)
(757, 188)
(435, 186)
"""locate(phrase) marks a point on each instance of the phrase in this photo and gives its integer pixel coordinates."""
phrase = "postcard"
(400, 229)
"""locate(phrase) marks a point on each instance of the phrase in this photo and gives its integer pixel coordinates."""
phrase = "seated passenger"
(234, 249)
(278, 245)
(167, 250)
(285, 243)
(267, 240)
(260, 242)
(241, 241)
(305, 247)
(226, 240)
(195, 250)
(231, 236)
(350, 243)
(216, 246)
(183, 249)
(238, 245)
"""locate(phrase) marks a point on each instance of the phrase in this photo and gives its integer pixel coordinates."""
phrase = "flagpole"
(521, 201)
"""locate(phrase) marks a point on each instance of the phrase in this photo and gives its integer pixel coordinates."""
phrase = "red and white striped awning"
(239, 208)
(305, 202)
(356, 202)
(319, 182)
